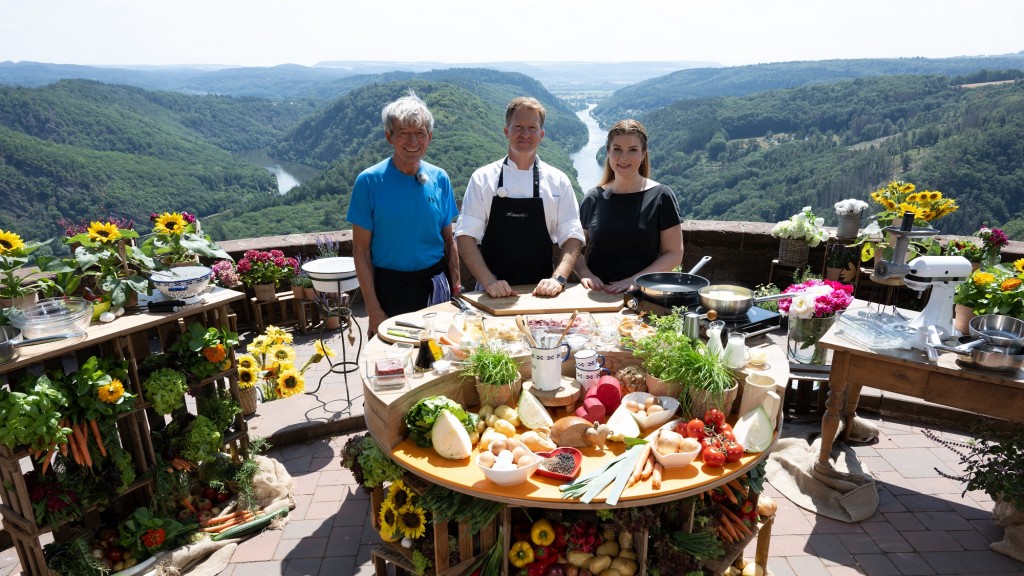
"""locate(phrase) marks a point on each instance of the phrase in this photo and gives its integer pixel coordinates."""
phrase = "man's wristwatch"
(560, 279)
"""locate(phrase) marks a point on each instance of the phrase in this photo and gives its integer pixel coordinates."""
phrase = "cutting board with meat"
(574, 297)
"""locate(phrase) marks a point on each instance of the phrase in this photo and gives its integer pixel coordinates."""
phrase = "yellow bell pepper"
(520, 554)
(542, 532)
(390, 535)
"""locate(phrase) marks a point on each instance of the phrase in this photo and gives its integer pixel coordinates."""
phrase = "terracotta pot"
(30, 298)
(298, 292)
(265, 292)
(332, 322)
(492, 395)
(701, 400)
(659, 387)
(962, 317)
(310, 293)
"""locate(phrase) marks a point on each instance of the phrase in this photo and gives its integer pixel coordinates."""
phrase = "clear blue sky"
(271, 32)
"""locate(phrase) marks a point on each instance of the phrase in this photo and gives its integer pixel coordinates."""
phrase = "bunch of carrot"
(647, 468)
(77, 444)
(731, 528)
(180, 464)
(225, 521)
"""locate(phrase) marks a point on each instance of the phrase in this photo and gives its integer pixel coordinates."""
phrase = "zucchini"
(254, 524)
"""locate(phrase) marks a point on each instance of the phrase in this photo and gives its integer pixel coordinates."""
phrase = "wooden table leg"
(837, 385)
(850, 410)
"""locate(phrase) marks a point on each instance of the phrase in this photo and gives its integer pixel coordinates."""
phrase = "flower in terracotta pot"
(994, 290)
(177, 237)
(107, 252)
(262, 267)
(14, 255)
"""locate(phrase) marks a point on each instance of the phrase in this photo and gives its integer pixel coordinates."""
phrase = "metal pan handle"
(700, 264)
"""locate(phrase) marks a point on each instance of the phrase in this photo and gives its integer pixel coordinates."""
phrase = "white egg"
(107, 317)
(504, 457)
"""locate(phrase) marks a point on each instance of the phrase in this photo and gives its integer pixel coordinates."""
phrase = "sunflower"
(388, 517)
(906, 187)
(913, 208)
(112, 392)
(867, 252)
(1009, 284)
(9, 242)
(246, 362)
(215, 354)
(289, 383)
(412, 521)
(246, 377)
(324, 350)
(281, 353)
(105, 232)
(934, 195)
(1018, 265)
(916, 197)
(400, 497)
(170, 223)
(277, 335)
(258, 345)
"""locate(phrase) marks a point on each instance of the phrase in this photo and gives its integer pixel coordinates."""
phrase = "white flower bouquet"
(850, 206)
(802, 226)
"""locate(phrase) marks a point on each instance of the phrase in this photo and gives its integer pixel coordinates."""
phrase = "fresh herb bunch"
(661, 350)
(73, 557)
(165, 389)
(33, 418)
(370, 466)
(220, 408)
(992, 463)
(491, 365)
(444, 505)
(705, 371)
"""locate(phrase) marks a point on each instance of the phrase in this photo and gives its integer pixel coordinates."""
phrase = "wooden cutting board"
(574, 297)
(408, 335)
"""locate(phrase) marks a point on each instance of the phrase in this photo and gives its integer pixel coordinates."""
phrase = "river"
(289, 174)
(588, 171)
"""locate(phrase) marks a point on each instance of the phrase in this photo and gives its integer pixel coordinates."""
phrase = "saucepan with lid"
(673, 288)
(729, 300)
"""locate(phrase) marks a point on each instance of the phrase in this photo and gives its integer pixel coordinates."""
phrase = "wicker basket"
(247, 400)
(793, 252)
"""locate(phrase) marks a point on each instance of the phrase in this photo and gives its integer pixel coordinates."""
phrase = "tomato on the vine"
(733, 451)
(714, 417)
(714, 457)
(710, 442)
(727, 435)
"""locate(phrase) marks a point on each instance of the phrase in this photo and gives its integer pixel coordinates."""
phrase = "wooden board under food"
(574, 297)
(409, 335)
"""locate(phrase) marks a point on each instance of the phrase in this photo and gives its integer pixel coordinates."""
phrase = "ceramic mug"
(588, 377)
(588, 359)
(547, 366)
(756, 388)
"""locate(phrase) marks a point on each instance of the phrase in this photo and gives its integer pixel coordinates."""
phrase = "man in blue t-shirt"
(401, 214)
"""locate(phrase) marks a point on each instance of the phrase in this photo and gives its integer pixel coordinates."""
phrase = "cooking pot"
(986, 356)
(10, 341)
(729, 300)
(999, 330)
(673, 288)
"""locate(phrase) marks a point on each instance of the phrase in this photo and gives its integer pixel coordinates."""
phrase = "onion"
(766, 506)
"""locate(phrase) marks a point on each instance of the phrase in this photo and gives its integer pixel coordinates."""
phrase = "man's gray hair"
(408, 111)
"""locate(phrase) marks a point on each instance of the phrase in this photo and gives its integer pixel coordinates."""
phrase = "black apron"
(401, 292)
(516, 245)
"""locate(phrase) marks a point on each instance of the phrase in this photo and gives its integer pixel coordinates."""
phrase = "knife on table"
(460, 304)
(408, 324)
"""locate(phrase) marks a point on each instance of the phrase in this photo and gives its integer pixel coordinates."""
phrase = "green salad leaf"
(421, 417)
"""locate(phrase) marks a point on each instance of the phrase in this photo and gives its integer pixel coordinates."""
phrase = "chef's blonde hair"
(628, 127)
(528, 103)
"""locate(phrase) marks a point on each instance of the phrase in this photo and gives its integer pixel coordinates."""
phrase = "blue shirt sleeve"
(360, 207)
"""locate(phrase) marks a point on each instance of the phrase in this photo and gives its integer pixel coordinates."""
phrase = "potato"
(485, 411)
(627, 553)
(624, 566)
(609, 548)
(491, 419)
(611, 572)
(599, 564)
(579, 558)
(505, 427)
(507, 413)
(625, 541)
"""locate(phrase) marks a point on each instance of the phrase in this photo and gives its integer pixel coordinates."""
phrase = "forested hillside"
(347, 137)
(80, 149)
(743, 80)
(762, 157)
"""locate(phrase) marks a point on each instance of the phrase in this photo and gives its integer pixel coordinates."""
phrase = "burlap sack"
(273, 488)
(1012, 520)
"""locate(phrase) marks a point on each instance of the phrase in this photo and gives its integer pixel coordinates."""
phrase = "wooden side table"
(302, 314)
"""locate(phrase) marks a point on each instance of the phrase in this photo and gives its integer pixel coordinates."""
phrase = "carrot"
(739, 487)
(224, 517)
(46, 460)
(99, 439)
(76, 452)
(724, 523)
(645, 453)
(736, 521)
(656, 476)
(222, 527)
(648, 468)
(82, 443)
(724, 535)
(446, 341)
(729, 494)
(188, 505)
(63, 448)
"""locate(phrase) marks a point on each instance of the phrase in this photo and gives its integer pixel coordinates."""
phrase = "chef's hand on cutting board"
(548, 287)
(500, 289)
(592, 283)
(620, 286)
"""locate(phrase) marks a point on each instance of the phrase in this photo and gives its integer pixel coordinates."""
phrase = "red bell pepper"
(561, 532)
(536, 568)
(544, 554)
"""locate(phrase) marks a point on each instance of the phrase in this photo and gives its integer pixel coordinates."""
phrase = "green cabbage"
(421, 417)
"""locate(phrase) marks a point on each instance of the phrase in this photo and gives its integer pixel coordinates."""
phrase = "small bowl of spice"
(560, 463)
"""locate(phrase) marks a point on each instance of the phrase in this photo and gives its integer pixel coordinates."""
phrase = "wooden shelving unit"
(131, 338)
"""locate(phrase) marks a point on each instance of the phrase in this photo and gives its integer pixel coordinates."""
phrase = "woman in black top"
(631, 222)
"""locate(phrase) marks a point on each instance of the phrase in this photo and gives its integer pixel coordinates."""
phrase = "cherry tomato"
(733, 452)
(695, 429)
(714, 417)
(727, 435)
(725, 428)
(713, 457)
(710, 442)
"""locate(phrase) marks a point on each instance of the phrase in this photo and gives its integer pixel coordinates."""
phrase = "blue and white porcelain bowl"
(182, 282)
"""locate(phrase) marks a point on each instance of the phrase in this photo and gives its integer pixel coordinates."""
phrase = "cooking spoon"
(521, 324)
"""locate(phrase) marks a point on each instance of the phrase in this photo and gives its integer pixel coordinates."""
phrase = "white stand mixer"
(940, 273)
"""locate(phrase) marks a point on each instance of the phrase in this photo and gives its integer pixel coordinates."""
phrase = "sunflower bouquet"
(898, 197)
(401, 515)
(14, 254)
(107, 252)
(177, 237)
(270, 364)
